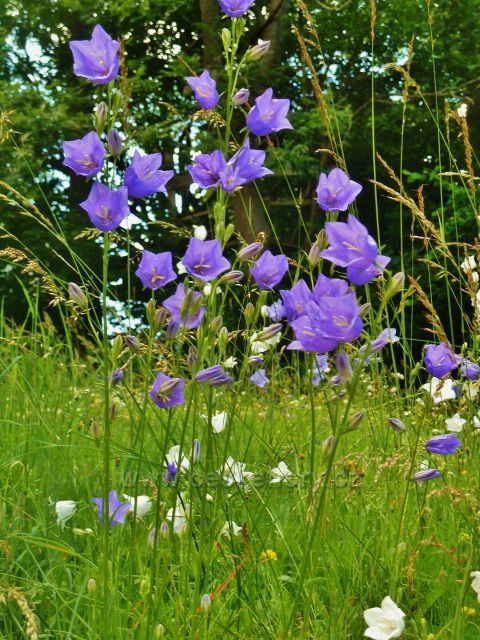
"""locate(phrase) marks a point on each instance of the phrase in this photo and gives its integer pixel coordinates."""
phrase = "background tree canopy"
(163, 39)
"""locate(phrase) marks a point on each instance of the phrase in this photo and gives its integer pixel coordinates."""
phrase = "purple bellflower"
(155, 269)
(116, 510)
(96, 59)
(427, 474)
(116, 376)
(235, 8)
(106, 208)
(440, 359)
(184, 307)
(329, 287)
(470, 370)
(143, 178)
(207, 168)
(171, 472)
(167, 392)
(241, 97)
(321, 365)
(296, 300)
(244, 166)
(214, 375)
(85, 156)
(445, 444)
(269, 115)
(204, 260)
(276, 311)
(353, 248)
(260, 378)
(205, 90)
(269, 270)
(336, 191)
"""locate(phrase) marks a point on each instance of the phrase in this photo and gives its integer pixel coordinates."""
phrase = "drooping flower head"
(269, 114)
(241, 97)
(167, 392)
(65, 509)
(106, 208)
(426, 474)
(185, 307)
(155, 269)
(440, 359)
(215, 376)
(116, 510)
(353, 248)
(235, 8)
(204, 260)
(143, 177)
(260, 378)
(336, 191)
(269, 270)
(205, 90)
(85, 156)
(445, 444)
(96, 59)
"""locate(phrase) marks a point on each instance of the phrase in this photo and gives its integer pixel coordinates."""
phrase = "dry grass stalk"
(16, 595)
(414, 555)
(32, 266)
(463, 124)
(431, 315)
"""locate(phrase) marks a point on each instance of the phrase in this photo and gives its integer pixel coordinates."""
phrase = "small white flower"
(264, 311)
(200, 231)
(144, 504)
(174, 455)
(440, 390)
(281, 473)
(468, 264)
(455, 423)
(65, 509)
(234, 472)
(384, 622)
(180, 268)
(219, 421)
(476, 583)
(476, 421)
(462, 110)
(230, 362)
(260, 346)
(424, 465)
(207, 289)
(182, 513)
(231, 528)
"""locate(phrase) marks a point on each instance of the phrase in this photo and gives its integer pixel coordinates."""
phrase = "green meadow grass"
(379, 533)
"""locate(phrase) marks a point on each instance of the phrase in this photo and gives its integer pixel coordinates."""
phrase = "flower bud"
(355, 420)
(150, 311)
(250, 251)
(159, 319)
(232, 277)
(255, 361)
(249, 312)
(172, 330)
(145, 587)
(132, 343)
(364, 309)
(327, 447)
(101, 114)
(322, 239)
(216, 324)
(76, 295)
(344, 368)
(159, 631)
(192, 358)
(314, 254)
(205, 603)
(196, 450)
(258, 50)
(117, 347)
(114, 142)
(91, 585)
(395, 285)
(228, 233)
(397, 425)
(164, 529)
(241, 97)
(222, 339)
(270, 331)
(199, 231)
(226, 39)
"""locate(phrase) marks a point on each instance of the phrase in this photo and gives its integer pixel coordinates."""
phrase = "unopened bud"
(164, 529)
(117, 347)
(228, 233)
(172, 330)
(232, 277)
(150, 311)
(145, 587)
(250, 251)
(258, 50)
(114, 142)
(192, 358)
(113, 411)
(327, 447)
(95, 430)
(76, 295)
(322, 239)
(216, 324)
(196, 450)
(314, 254)
(249, 312)
(355, 420)
(205, 603)
(159, 631)
(159, 319)
(101, 114)
(395, 285)
(132, 343)
(200, 231)
(344, 368)
(364, 309)
(397, 425)
(270, 331)
(226, 39)
(222, 339)
(241, 97)
(255, 361)
(91, 585)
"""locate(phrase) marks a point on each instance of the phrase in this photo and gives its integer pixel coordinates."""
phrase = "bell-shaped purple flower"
(235, 8)
(116, 377)
(329, 287)
(167, 392)
(244, 166)
(114, 142)
(269, 114)
(336, 191)
(426, 474)
(106, 208)
(207, 168)
(269, 270)
(215, 376)
(362, 276)
(85, 156)
(116, 510)
(276, 311)
(296, 300)
(321, 365)
(204, 260)
(470, 370)
(155, 269)
(171, 472)
(260, 378)
(205, 90)
(241, 97)
(440, 359)
(96, 59)
(185, 307)
(143, 178)
(445, 444)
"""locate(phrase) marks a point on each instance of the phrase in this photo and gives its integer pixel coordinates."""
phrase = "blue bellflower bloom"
(116, 510)
(106, 208)
(336, 191)
(269, 270)
(205, 90)
(85, 156)
(143, 177)
(269, 114)
(440, 359)
(96, 59)
(204, 260)
(155, 269)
